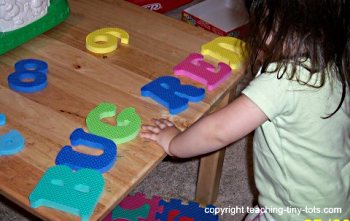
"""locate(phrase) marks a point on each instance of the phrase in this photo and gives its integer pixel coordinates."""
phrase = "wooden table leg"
(210, 168)
(209, 177)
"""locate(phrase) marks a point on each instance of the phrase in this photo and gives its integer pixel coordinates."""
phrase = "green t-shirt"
(301, 160)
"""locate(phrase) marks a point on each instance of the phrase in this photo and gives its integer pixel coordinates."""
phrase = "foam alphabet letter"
(16, 81)
(73, 192)
(118, 33)
(168, 91)
(105, 40)
(230, 50)
(11, 142)
(203, 72)
(2, 119)
(76, 160)
(28, 69)
(127, 128)
(31, 65)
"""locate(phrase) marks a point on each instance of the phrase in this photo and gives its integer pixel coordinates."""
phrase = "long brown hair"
(314, 29)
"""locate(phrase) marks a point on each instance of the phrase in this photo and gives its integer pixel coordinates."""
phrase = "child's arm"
(210, 133)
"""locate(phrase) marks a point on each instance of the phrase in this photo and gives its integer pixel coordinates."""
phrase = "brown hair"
(314, 29)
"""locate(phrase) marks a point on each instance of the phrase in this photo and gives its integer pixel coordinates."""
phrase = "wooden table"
(79, 80)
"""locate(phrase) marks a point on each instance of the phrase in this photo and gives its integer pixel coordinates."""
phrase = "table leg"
(210, 168)
(209, 177)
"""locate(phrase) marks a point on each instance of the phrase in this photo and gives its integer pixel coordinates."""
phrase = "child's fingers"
(147, 135)
(169, 123)
(166, 122)
(160, 124)
(151, 128)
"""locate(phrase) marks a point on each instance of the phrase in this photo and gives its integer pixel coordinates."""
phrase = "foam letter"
(28, 69)
(2, 119)
(76, 160)
(11, 143)
(105, 40)
(168, 91)
(203, 72)
(230, 50)
(73, 192)
(31, 65)
(127, 128)
(16, 81)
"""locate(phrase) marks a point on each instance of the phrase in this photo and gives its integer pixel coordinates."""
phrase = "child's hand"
(162, 132)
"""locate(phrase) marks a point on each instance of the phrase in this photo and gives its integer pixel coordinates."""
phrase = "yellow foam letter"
(105, 40)
(229, 50)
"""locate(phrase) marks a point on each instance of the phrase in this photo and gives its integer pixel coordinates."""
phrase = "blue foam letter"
(72, 192)
(76, 160)
(31, 69)
(2, 119)
(16, 81)
(11, 143)
(31, 65)
(168, 91)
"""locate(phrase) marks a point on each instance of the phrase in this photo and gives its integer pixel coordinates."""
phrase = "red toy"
(160, 6)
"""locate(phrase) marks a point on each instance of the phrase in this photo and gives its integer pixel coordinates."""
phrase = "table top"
(79, 80)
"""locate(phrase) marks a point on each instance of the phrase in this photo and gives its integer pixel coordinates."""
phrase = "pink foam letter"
(203, 72)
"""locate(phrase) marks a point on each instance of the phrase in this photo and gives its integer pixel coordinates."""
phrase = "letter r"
(168, 91)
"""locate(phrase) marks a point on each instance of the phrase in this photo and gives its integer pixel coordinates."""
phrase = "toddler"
(298, 105)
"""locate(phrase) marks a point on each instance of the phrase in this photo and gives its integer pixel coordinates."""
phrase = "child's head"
(285, 31)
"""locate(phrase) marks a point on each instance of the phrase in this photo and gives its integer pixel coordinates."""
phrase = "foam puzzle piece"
(2, 119)
(169, 92)
(203, 72)
(16, 81)
(76, 160)
(72, 192)
(173, 215)
(31, 65)
(108, 217)
(11, 143)
(190, 211)
(105, 40)
(120, 214)
(134, 205)
(127, 128)
(229, 50)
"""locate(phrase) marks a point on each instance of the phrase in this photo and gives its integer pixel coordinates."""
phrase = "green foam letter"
(127, 128)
